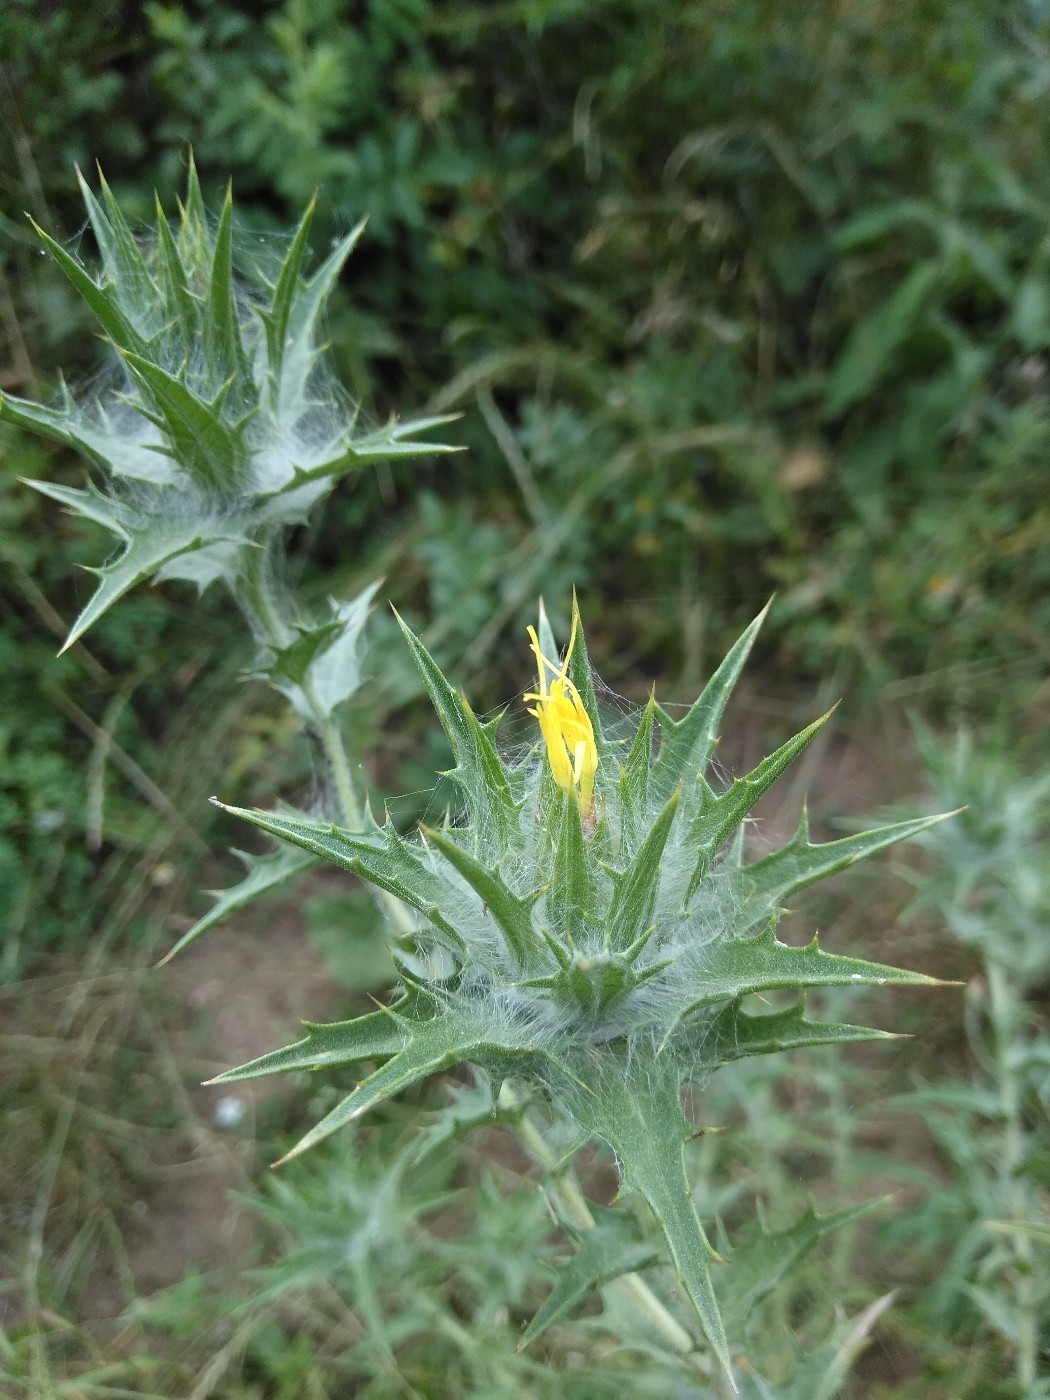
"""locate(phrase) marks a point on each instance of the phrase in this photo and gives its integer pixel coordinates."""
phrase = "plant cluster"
(586, 926)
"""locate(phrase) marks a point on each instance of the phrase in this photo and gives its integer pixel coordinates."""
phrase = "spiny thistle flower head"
(592, 925)
(221, 424)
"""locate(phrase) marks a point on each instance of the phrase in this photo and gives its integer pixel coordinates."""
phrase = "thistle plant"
(586, 929)
(590, 927)
(219, 426)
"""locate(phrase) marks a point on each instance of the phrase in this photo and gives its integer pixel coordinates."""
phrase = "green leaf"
(569, 902)
(213, 452)
(822, 1374)
(479, 771)
(391, 443)
(634, 780)
(450, 1038)
(150, 546)
(687, 744)
(180, 304)
(370, 1037)
(90, 505)
(733, 1035)
(101, 299)
(126, 268)
(276, 317)
(757, 1266)
(324, 659)
(870, 347)
(582, 677)
(763, 886)
(512, 914)
(737, 967)
(1030, 320)
(299, 342)
(335, 672)
(720, 813)
(192, 232)
(634, 1104)
(470, 1106)
(390, 864)
(224, 354)
(59, 425)
(636, 888)
(265, 873)
(291, 662)
(614, 1247)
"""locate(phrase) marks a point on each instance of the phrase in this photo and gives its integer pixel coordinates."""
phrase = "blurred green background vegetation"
(734, 298)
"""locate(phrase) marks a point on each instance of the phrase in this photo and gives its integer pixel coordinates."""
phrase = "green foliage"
(795, 304)
(990, 1222)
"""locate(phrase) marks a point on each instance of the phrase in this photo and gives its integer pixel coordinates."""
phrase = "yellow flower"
(565, 725)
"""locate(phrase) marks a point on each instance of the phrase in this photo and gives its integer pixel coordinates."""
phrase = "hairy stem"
(257, 595)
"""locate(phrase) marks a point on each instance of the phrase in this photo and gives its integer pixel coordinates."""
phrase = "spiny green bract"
(604, 953)
(219, 427)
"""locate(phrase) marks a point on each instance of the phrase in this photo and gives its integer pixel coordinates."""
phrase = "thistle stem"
(572, 1199)
(256, 596)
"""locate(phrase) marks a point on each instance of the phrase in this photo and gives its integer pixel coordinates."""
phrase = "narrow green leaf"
(634, 780)
(612, 1248)
(448, 1039)
(720, 813)
(181, 306)
(390, 864)
(687, 744)
(101, 299)
(265, 873)
(193, 231)
(582, 677)
(822, 1374)
(511, 913)
(736, 967)
(392, 443)
(569, 903)
(763, 886)
(872, 344)
(276, 316)
(635, 890)
(223, 350)
(370, 1037)
(122, 259)
(300, 341)
(90, 504)
(733, 1035)
(479, 771)
(211, 450)
(60, 425)
(151, 546)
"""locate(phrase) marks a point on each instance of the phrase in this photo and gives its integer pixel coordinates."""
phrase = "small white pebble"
(229, 1111)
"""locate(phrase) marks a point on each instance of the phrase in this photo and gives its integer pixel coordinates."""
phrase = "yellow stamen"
(565, 724)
